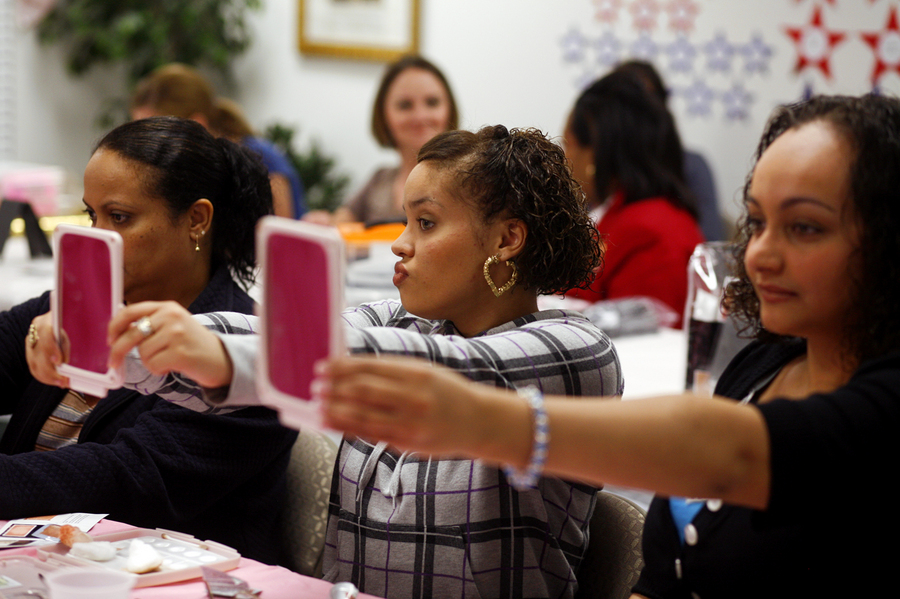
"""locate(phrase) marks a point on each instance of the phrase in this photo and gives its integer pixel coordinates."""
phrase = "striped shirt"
(64, 425)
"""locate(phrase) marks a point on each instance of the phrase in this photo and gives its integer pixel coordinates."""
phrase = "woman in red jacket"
(625, 151)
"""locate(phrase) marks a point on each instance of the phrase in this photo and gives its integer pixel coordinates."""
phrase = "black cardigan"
(830, 529)
(141, 459)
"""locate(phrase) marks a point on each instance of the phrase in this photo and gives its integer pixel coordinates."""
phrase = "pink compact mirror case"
(88, 293)
(302, 274)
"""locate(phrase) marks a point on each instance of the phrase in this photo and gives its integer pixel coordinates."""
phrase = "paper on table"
(43, 530)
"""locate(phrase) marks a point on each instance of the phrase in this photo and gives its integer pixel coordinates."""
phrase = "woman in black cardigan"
(185, 205)
(794, 475)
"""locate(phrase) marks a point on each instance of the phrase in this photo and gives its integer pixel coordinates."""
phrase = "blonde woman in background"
(413, 104)
(179, 90)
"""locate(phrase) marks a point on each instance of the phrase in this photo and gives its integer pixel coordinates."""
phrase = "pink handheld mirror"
(302, 274)
(88, 294)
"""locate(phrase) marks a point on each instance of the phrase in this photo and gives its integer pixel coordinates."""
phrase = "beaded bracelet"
(528, 478)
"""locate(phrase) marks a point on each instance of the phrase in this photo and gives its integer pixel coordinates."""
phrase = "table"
(274, 581)
(653, 364)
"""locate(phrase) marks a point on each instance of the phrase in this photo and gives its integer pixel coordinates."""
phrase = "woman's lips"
(774, 293)
(400, 274)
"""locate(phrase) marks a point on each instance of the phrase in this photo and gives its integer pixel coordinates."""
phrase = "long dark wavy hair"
(870, 125)
(634, 140)
(181, 162)
(521, 174)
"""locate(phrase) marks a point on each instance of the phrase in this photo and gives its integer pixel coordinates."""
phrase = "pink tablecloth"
(274, 581)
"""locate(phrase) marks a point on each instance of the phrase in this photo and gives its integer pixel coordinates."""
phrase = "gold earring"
(197, 242)
(487, 275)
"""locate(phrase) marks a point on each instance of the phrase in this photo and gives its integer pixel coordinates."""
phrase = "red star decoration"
(607, 11)
(682, 14)
(886, 47)
(645, 13)
(815, 43)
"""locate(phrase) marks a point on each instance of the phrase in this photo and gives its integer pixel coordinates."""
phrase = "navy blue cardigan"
(141, 459)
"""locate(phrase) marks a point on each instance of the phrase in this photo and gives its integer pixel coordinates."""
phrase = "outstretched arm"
(684, 445)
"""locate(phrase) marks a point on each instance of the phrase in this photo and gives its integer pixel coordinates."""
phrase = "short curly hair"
(521, 174)
(870, 125)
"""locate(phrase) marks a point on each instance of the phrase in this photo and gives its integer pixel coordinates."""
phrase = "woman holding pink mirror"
(185, 205)
(494, 218)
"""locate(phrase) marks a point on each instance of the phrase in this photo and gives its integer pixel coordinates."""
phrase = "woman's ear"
(201, 217)
(513, 233)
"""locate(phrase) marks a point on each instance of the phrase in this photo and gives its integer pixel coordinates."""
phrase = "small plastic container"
(84, 583)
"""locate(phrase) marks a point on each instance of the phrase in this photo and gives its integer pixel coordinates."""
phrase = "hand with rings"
(144, 326)
(169, 339)
(43, 353)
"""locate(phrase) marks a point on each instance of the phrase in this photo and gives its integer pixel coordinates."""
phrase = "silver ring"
(144, 326)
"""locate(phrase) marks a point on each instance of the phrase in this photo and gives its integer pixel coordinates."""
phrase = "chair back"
(613, 560)
(306, 513)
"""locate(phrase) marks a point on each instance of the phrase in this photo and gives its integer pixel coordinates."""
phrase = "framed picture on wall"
(364, 29)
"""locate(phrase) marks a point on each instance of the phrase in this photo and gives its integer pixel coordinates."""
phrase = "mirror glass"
(297, 303)
(84, 285)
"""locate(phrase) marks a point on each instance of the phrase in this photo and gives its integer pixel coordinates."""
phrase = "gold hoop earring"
(487, 275)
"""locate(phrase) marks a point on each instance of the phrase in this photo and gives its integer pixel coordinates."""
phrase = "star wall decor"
(682, 14)
(607, 11)
(815, 43)
(699, 98)
(644, 48)
(608, 49)
(756, 54)
(645, 14)
(573, 45)
(719, 53)
(885, 45)
(681, 55)
(737, 102)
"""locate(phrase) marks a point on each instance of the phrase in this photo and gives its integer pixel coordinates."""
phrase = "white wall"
(506, 63)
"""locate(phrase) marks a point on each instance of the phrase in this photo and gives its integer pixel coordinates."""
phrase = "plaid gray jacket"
(409, 526)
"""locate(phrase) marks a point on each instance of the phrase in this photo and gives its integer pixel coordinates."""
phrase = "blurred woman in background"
(179, 90)
(413, 104)
(626, 153)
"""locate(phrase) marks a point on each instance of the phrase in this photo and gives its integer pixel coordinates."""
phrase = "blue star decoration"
(644, 47)
(681, 55)
(699, 98)
(573, 44)
(608, 48)
(756, 54)
(719, 53)
(737, 102)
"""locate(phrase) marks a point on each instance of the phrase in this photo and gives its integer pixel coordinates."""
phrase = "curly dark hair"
(182, 162)
(521, 174)
(870, 125)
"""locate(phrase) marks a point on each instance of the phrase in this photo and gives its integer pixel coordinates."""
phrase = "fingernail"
(319, 387)
(321, 367)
